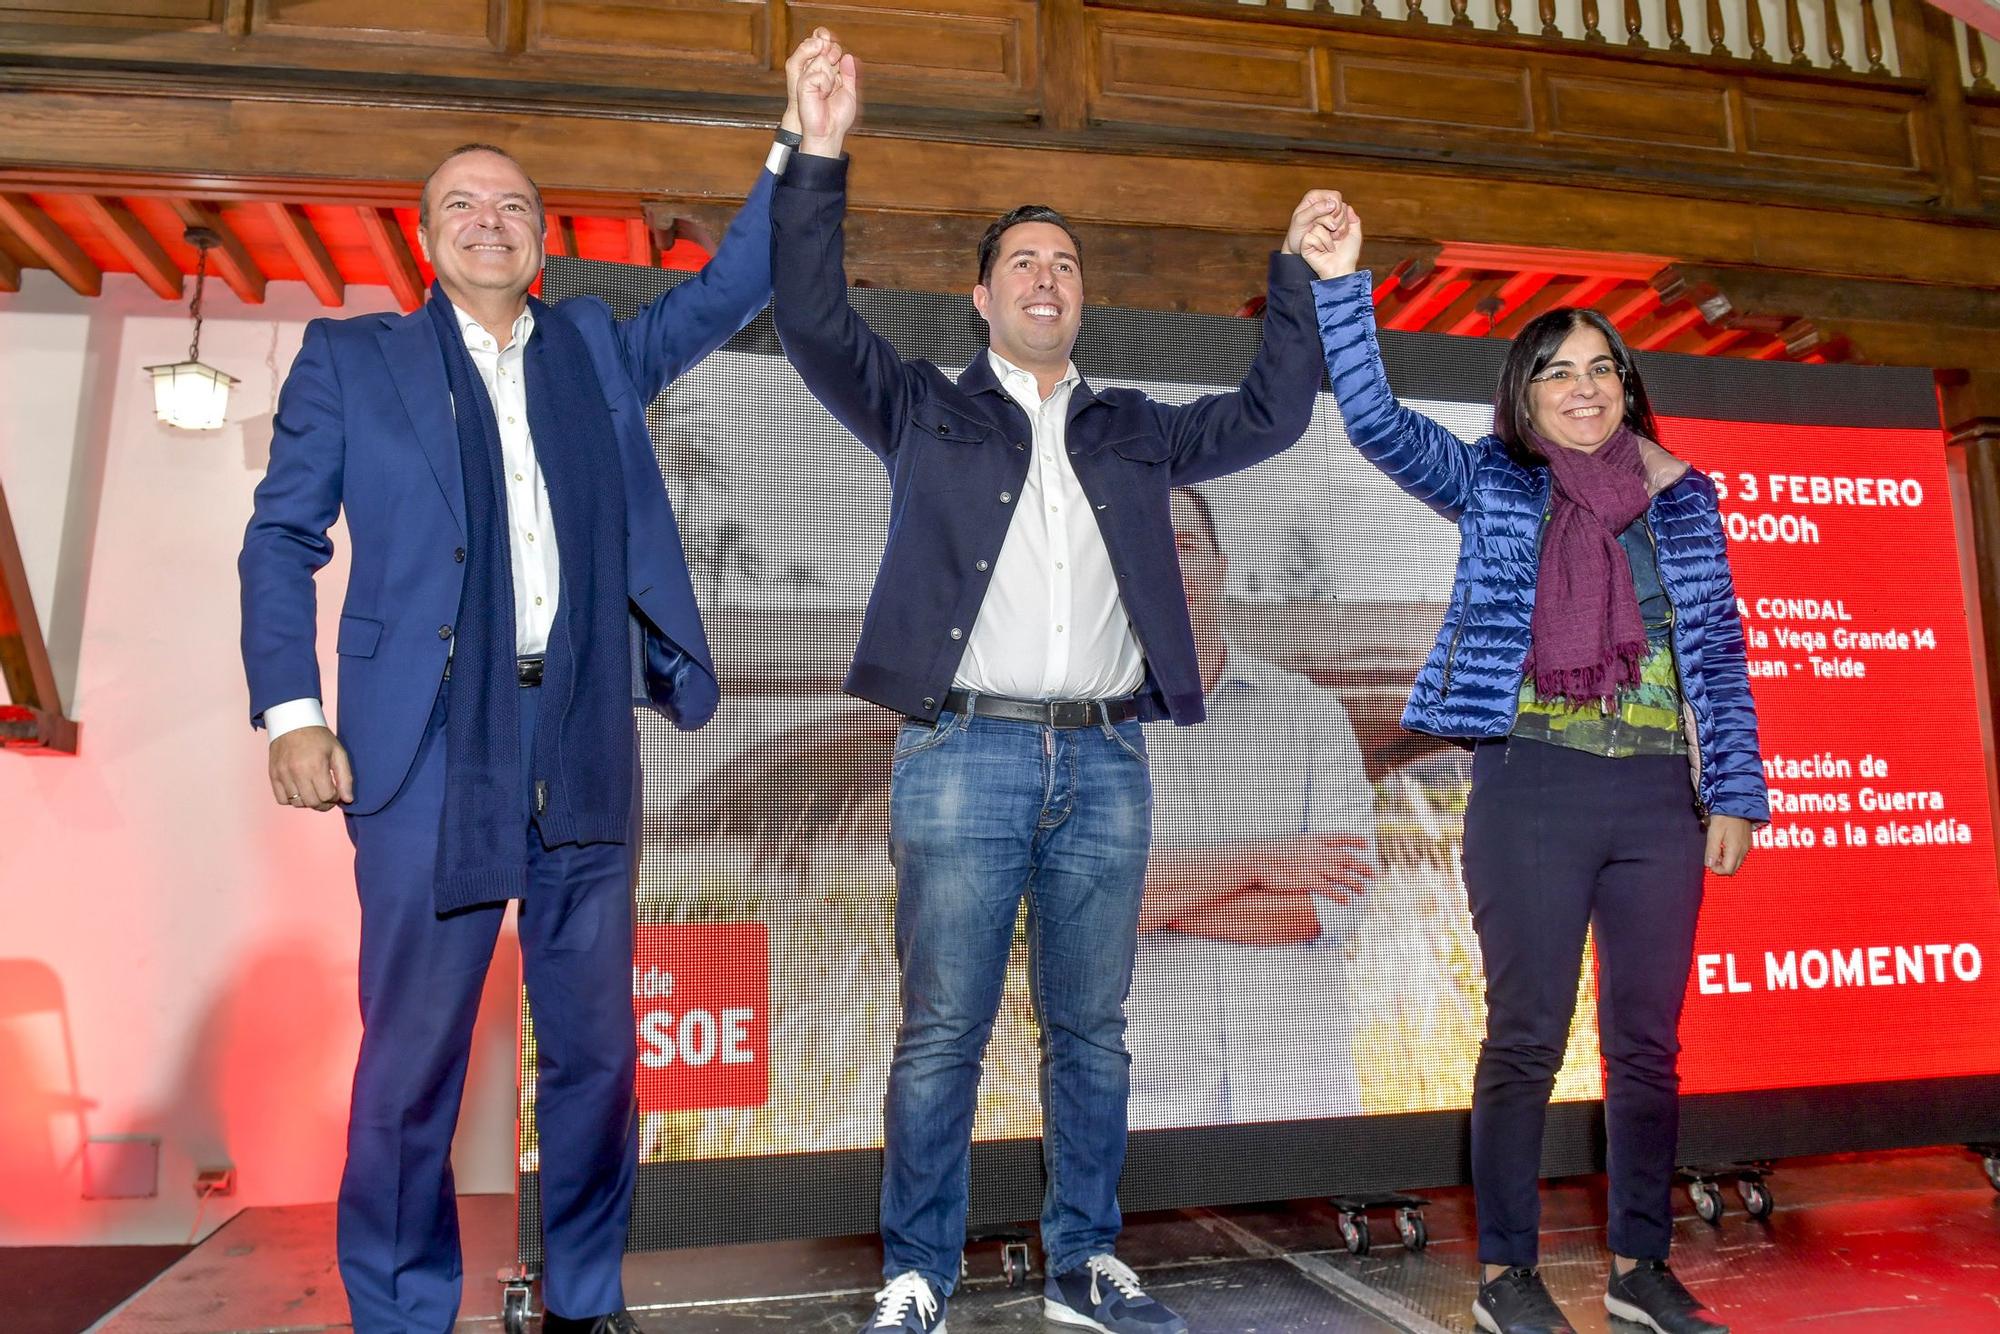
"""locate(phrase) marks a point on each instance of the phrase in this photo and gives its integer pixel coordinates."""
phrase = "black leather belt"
(1047, 712)
(528, 671)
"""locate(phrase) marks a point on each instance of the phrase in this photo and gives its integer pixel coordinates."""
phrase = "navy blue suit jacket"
(365, 426)
(957, 453)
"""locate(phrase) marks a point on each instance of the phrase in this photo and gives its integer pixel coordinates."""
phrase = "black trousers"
(1557, 841)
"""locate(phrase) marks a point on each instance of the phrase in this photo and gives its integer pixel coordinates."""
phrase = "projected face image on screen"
(1305, 950)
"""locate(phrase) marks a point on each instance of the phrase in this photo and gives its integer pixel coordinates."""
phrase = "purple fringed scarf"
(1587, 638)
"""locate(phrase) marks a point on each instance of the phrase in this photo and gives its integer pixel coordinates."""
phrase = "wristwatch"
(781, 151)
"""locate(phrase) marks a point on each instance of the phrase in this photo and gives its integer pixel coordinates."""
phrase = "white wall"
(178, 956)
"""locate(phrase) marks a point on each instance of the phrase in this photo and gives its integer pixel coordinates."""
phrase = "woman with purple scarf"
(1592, 658)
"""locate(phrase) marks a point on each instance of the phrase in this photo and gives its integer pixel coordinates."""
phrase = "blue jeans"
(982, 811)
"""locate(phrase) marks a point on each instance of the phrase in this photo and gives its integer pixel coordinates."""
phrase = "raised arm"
(694, 319)
(852, 370)
(1415, 452)
(1225, 433)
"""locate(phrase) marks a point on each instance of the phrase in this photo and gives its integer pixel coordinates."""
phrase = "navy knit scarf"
(582, 765)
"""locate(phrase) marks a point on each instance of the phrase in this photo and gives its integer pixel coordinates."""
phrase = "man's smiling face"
(482, 227)
(1033, 297)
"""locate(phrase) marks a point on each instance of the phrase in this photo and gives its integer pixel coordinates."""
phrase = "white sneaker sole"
(1626, 1311)
(1056, 1313)
(1483, 1320)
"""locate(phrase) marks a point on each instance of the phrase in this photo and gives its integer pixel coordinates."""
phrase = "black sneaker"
(1518, 1303)
(1648, 1294)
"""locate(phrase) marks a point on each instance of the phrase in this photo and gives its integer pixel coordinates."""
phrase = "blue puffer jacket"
(1470, 687)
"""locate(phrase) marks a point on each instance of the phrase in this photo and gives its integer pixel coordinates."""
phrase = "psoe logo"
(702, 996)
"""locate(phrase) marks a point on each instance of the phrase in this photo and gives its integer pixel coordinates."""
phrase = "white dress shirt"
(1223, 1032)
(530, 522)
(1052, 625)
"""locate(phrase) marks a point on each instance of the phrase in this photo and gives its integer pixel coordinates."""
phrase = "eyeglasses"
(1563, 377)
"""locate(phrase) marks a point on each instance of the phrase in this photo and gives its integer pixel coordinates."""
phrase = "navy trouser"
(1557, 841)
(421, 977)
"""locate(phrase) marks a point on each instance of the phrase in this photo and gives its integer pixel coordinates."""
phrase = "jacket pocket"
(946, 427)
(1145, 447)
(358, 637)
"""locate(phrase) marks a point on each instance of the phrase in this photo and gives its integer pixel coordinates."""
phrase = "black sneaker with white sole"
(1648, 1294)
(1517, 1302)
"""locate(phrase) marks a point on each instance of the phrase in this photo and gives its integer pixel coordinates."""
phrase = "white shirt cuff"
(292, 715)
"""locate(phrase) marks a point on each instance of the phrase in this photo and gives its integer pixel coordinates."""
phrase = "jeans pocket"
(1116, 731)
(915, 738)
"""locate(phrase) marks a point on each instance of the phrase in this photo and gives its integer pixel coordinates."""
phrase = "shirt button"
(444, 632)
(510, 421)
(1055, 509)
(538, 602)
(979, 565)
(1059, 565)
(1059, 629)
(459, 555)
(531, 537)
(1006, 497)
(518, 477)
(957, 633)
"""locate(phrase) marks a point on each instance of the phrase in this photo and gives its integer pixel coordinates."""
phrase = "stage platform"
(1876, 1244)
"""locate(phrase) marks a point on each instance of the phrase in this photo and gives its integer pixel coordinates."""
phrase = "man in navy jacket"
(1027, 615)
(516, 577)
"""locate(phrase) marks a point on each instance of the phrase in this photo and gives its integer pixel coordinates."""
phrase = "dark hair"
(424, 199)
(1531, 352)
(989, 244)
(1207, 515)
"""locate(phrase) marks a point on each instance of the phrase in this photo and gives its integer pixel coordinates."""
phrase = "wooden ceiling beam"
(392, 252)
(230, 257)
(1665, 325)
(129, 237)
(302, 242)
(1443, 287)
(641, 246)
(1623, 310)
(51, 244)
(10, 273)
(1475, 311)
(1583, 292)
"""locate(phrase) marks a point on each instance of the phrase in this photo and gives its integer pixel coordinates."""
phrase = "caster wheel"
(514, 1310)
(1014, 1263)
(1354, 1232)
(1707, 1202)
(1992, 1166)
(1411, 1228)
(1757, 1201)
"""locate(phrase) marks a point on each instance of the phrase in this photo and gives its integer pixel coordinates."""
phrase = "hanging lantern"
(189, 394)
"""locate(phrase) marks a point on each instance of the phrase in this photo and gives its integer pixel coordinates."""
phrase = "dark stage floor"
(1879, 1244)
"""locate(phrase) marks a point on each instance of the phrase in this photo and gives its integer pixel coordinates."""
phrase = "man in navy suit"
(516, 573)
(1028, 616)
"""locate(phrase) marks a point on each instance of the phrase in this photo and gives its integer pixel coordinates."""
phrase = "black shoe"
(1518, 1303)
(1648, 1294)
(618, 1322)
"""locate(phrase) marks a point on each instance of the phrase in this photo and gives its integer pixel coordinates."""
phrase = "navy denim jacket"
(957, 454)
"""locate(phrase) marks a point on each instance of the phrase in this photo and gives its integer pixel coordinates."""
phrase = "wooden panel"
(1986, 145)
(1828, 132)
(989, 45)
(726, 30)
(433, 22)
(1432, 92)
(1212, 73)
(186, 11)
(1628, 111)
